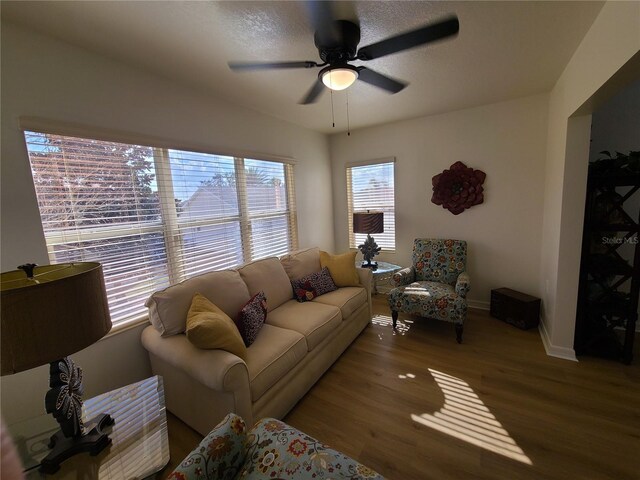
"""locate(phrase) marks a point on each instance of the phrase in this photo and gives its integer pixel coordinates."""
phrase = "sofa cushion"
(347, 299)
(301, 263)
(342, 268)
(274, 352)
(313, 320)
(168, 308)
(320, 282)
(268, 275)
(209, 327)
(251, 318)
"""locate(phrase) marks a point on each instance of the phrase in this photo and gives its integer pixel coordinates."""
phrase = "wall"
(507, 141)
(43, 77)
(612, 40)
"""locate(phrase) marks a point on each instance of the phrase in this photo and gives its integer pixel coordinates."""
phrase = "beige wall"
(43, 77)
(613, 39)
(508, 142)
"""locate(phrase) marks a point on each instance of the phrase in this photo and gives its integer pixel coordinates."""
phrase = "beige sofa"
(297, 344)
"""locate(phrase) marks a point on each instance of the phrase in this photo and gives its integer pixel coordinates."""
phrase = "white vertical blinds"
(155, 216)
(371, 187)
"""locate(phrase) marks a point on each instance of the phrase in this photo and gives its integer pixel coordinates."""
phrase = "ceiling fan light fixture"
(339, 78)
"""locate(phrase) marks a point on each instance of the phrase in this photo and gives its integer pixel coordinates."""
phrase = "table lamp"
(47, 314)
(368, 222)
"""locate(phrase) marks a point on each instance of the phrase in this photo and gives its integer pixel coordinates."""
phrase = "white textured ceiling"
(504, 50)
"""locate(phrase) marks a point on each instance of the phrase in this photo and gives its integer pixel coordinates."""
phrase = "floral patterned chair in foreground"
(270, 450)
(436, 285)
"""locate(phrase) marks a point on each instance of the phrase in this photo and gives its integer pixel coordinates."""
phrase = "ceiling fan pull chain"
(333, 118)
(348, 125)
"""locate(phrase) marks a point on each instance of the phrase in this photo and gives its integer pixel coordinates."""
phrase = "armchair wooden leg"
(394, 316)
(459, 332)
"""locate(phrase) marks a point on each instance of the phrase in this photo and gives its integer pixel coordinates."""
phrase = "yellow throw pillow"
(342, 268)
(209, 327)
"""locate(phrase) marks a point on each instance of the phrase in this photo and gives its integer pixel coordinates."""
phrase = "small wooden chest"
(518, 309)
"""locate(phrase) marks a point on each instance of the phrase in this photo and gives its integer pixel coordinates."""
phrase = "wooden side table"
(517, 308)
(140, 443)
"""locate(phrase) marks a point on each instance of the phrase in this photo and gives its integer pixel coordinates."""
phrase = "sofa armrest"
(366, 280)
(220, 454)
(294, 449)
(463, 284)
(217, 369)
(404, 276)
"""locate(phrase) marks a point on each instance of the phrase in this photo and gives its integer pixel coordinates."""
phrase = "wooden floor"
(416, 405)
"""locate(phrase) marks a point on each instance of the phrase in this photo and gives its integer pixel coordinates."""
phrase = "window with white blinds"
(371, 187)
(155, 216)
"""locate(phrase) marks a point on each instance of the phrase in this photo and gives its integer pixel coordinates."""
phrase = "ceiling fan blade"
(415, 38)
(323, 20)
(313, 93)
(379, 80)
(265, 65)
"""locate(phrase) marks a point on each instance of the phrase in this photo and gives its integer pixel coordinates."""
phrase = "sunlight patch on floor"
(402, 326)
(466, 417)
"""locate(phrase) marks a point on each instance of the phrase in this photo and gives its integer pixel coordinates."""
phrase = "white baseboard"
(478, 304)
(553, 350)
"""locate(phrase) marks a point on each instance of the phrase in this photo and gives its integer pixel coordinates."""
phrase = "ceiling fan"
(337, 43)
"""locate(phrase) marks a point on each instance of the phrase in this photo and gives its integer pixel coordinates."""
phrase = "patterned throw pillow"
(251, 318)
(321, 282)
(305, 292)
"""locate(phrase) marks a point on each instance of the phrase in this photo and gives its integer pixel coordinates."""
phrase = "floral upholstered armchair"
(271, 449)
(436, 285)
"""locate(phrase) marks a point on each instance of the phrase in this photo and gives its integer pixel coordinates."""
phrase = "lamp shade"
(59, 311)
(339, 78)
(368, 222)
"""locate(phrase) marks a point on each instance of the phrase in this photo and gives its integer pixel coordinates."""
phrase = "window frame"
(168, 224)
(350, 200)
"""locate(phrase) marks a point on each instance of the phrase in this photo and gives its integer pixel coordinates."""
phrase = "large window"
(155, 216)
(370, 187)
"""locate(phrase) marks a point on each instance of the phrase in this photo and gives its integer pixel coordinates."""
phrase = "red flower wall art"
(458, 188)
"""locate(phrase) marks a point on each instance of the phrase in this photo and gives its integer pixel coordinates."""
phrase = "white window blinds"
(371, 187)
(155, 216)
(204, 227)
(270, 206)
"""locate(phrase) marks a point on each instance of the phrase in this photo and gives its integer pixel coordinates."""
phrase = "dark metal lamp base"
(63, 447)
